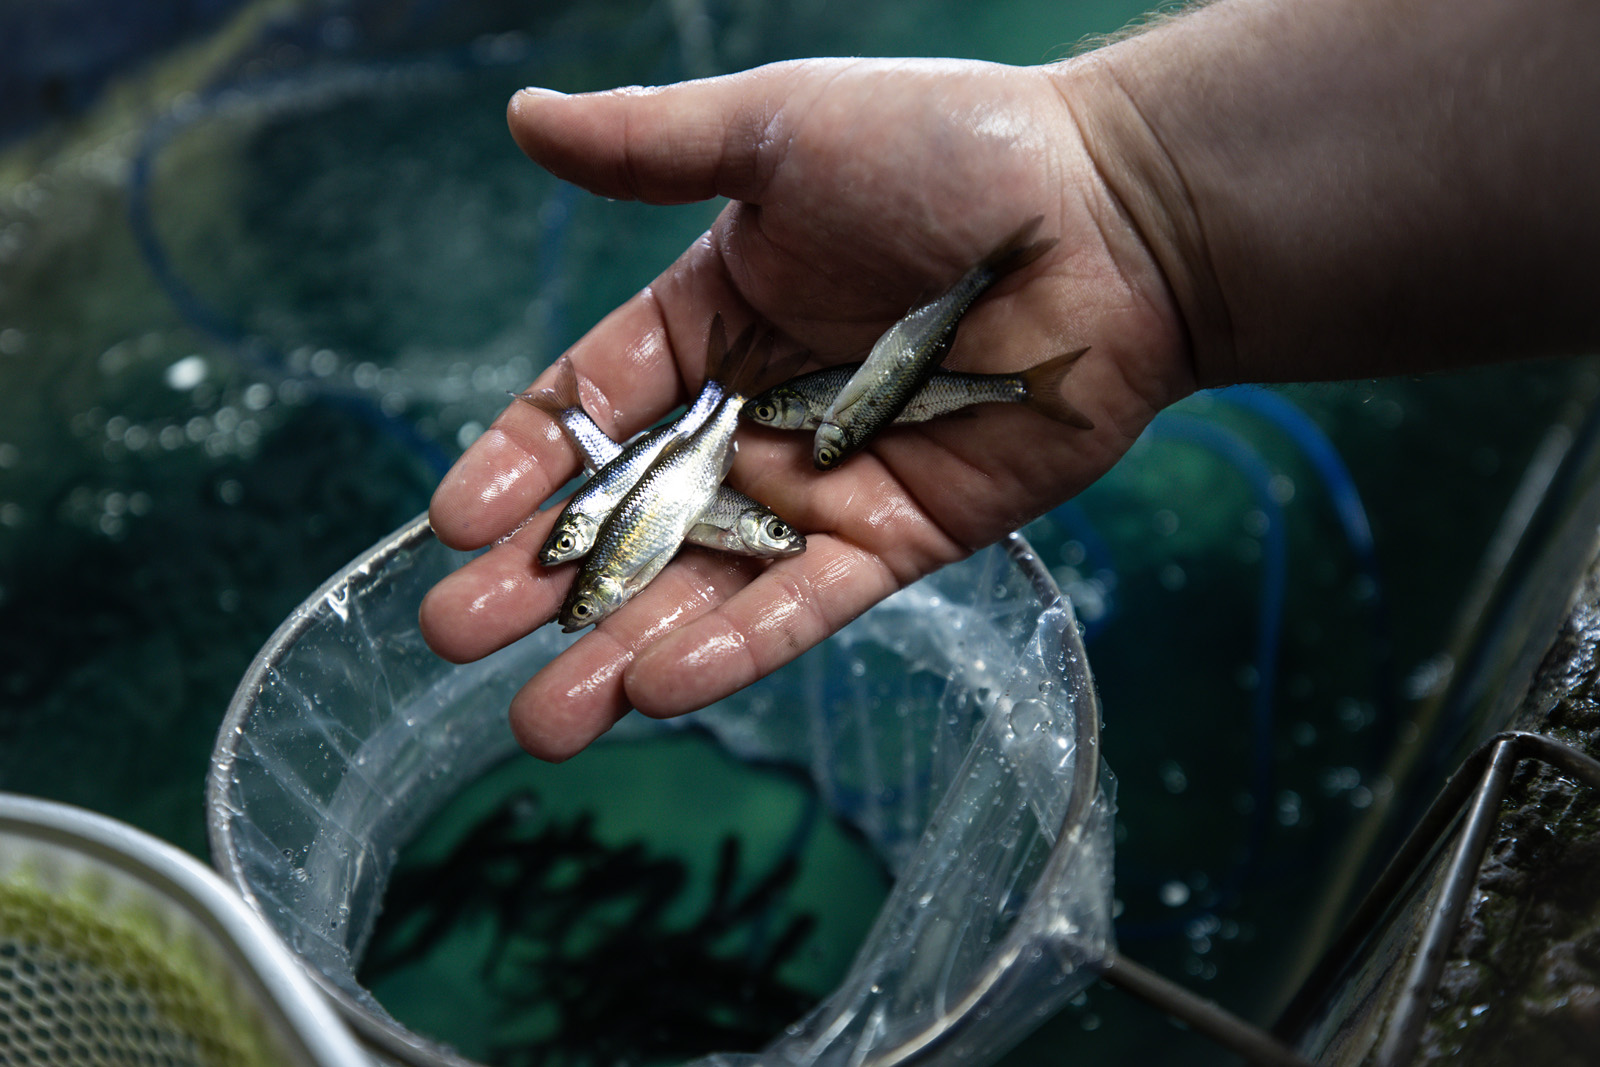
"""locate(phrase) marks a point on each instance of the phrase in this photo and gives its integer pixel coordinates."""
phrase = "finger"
(786, 610)
(668, 145)
(496, 598)
(637, 364)
(579, 695)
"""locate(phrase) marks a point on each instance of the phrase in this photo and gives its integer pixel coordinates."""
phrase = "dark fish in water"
(799, 403)
(904, 357)
(645, 530)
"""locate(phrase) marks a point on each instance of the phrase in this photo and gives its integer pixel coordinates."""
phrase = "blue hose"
(1239, 454)
(1340, 486)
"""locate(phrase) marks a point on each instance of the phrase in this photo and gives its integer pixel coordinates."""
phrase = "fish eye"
(581, 609)
(766, 412)
(564, 542)
(778, 529)
(826, 456)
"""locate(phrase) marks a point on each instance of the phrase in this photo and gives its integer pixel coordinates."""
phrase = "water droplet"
(1288, 808)
(1172, 777)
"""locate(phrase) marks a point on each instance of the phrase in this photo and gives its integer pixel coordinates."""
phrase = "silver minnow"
(745, 526)
(733, 523)
(903, 358)
(587, 508)
(645, 530)
(580, 519)
(799, 403)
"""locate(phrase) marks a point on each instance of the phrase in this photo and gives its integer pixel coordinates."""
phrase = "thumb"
(667, 145)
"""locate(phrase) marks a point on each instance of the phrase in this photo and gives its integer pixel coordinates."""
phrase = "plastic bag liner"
(955, 725)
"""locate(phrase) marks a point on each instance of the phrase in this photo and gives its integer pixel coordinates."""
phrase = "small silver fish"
(903, 358)
(645, 530)
(579, 522)
(799, 403)
(586, 510)
(733, 523)
(742, 525)
(561, 402)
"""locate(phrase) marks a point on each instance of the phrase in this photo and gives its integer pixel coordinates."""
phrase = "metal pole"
(1199, 1014)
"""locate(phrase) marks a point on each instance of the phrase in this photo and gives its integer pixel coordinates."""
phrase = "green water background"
(165, 501)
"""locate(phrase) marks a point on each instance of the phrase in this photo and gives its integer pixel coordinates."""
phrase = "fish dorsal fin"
(743, 379)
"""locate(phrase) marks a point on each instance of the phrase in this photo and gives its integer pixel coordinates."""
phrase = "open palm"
(857, 188)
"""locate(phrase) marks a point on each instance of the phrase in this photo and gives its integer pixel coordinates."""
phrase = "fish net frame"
(117, 948)
(959, 1020)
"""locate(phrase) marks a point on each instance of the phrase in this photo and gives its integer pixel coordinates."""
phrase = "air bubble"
(186, 373)
(1172, 777)
(258, 396)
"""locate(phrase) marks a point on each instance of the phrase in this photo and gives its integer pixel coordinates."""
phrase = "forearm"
(1338, 188)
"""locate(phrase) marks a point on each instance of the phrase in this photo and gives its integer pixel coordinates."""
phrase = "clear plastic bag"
(955, 725)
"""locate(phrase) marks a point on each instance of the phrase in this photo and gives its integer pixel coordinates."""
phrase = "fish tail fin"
(781, 368)
(743, 379)
(1017, 250)
(560, 395)
(1043, 384)
(741, 367)
(717, 347)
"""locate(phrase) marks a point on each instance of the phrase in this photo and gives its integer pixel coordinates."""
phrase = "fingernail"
(539, 93)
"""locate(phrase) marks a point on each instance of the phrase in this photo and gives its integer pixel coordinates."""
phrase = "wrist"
(1145, 181)
(1342, 187)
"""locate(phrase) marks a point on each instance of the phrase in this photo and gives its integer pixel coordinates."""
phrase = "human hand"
(857, 188)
